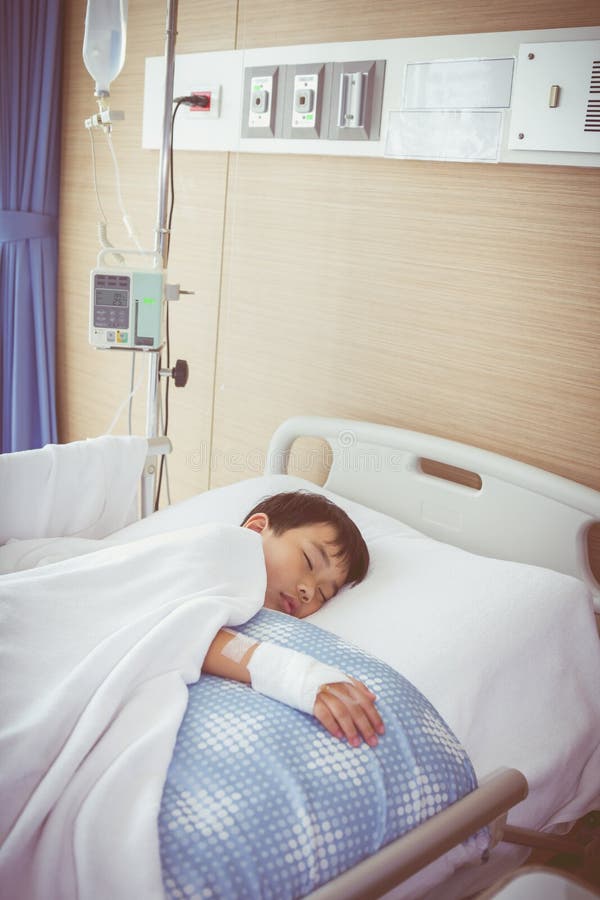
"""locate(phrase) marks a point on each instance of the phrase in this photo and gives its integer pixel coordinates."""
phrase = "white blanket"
(95, 653)
(86, 488)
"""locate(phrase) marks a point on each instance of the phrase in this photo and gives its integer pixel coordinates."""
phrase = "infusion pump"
(126, 308)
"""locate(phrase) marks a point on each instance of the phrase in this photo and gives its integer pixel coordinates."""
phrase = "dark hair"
(294, 509)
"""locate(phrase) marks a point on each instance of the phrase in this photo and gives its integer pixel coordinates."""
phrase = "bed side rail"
(403, 857)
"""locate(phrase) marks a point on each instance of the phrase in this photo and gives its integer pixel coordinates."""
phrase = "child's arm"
(345, 709)
(217, 663)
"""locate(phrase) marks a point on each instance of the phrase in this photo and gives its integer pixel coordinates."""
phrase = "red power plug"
(204, 104)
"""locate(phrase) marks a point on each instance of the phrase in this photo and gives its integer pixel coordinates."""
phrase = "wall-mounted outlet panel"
(260, 109)
(467, 53)
(356, 100)
(306, 95)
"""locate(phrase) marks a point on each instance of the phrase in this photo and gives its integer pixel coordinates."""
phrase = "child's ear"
(257, 522)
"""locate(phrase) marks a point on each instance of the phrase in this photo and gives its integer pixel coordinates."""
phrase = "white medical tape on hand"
(237, 648)
(290, 677)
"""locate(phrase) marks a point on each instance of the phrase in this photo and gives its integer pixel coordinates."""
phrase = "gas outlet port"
(307, 88)
(259, 102)
(260, 113)
(304, 101)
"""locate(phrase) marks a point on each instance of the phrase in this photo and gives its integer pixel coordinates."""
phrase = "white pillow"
(508, 653)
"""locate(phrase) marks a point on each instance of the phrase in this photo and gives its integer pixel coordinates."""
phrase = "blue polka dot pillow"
(261, 802)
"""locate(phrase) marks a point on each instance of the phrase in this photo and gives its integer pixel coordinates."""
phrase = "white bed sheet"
(519, 643)
(95, 653)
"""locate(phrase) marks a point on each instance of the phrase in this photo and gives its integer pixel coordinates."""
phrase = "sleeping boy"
(311, 549)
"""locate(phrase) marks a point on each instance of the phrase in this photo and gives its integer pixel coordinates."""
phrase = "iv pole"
(161, 246)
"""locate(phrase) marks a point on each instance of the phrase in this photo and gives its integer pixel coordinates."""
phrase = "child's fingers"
(370, 708)
(357, 694)
(342, 717)
(354, 711)
(363, 688)
(327, 719)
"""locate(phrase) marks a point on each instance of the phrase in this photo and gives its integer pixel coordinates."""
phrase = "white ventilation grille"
(592, 115)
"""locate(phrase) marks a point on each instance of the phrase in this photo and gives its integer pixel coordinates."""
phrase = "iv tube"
(104, 41)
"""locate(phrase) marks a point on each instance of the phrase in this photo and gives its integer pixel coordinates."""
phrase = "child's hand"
(348, 710)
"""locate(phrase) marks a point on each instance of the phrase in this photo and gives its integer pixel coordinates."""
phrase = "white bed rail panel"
(520, 513)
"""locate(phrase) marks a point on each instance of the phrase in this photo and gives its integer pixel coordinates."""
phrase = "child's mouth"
(288, 604)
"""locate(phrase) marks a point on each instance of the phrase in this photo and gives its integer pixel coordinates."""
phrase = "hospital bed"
(480, 596)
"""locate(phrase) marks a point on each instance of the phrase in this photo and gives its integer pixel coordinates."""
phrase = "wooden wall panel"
(455, 299)
(265, 23)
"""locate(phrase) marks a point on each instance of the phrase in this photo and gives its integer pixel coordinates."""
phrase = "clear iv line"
(122, 405)
(98, 201)
(126, 222)
(165, 461)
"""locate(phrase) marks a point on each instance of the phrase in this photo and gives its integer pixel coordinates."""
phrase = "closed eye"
(323, 597)
(307, 558)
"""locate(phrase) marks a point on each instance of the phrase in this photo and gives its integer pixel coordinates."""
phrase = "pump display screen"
(112, 294)
(111, 298)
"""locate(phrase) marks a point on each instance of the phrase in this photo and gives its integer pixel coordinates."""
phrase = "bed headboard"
(514, 511)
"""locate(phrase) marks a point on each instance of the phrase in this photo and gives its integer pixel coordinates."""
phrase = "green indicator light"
(149, 300)
(309, 117)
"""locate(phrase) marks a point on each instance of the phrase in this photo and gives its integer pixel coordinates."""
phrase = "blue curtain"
(30, 99)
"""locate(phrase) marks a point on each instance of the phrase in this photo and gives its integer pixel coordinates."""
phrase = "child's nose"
(306, 592)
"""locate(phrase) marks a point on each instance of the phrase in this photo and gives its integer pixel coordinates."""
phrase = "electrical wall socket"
(260, 113)
(356, 100)
(212, 110)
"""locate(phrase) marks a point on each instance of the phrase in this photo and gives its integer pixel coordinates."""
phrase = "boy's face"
(302, 570)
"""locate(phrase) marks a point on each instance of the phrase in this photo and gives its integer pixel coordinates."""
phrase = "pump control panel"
(126, 309)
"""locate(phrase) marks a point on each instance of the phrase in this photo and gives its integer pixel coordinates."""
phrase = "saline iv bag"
(104, 41)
